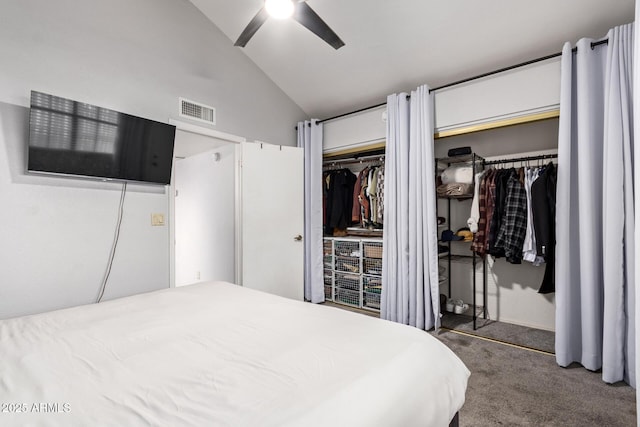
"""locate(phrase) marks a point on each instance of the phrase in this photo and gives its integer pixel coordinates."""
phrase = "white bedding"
(217, 354)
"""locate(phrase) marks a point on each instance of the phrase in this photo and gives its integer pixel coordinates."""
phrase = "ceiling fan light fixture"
(279, 9)
(300, 11)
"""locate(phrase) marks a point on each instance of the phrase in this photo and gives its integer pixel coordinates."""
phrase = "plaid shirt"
(480, 238)
(499, 197)
(514, 220)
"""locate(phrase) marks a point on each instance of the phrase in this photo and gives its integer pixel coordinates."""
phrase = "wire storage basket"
(327, 247)
(372, 284)
(347, 248)
(371, 300)
(347, 281)
(348, 297)
(353, 271)
(328, 293)
(372, 266)
(328, 262)
(372, 288)
(372, 249)
(348, 264)
(328, 285)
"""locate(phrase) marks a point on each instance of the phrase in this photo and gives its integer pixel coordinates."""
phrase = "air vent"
(197, 111)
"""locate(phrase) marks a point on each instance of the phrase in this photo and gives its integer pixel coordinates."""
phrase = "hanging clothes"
(499, 197)
(529, 251)
(485, 208)
(506, 226)
(380, 193)
(355, 210)
(339, 201)
(365, 214)
(368, 198)
(372, 190)
(510, 236)
(325, 191)
(543, 202)
(474, 216)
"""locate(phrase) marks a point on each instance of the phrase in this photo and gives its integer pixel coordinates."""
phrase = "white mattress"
(217, 354)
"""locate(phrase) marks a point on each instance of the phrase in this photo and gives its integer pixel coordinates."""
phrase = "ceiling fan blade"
(251, 29)
(308, 18)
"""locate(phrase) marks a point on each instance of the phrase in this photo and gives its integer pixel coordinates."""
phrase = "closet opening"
(353, 221)
(515, 311)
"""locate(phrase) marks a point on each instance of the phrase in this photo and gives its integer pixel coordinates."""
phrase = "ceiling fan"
(300, 11)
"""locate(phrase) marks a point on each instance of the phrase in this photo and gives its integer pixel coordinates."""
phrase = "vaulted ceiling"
(394, 46)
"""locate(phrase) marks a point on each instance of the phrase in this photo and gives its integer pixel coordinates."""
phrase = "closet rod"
(490, 73)
(521, 159)
(363, 159)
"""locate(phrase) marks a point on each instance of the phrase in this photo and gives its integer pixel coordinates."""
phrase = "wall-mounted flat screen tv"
(76, 139)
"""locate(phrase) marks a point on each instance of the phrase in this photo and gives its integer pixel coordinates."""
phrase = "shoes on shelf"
(449, 307)
(456, 306)
(460, 308)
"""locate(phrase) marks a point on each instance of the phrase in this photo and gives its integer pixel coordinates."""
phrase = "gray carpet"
(517, 387)
(515, 334)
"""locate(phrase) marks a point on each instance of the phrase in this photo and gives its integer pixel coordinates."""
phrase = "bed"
(218, 354)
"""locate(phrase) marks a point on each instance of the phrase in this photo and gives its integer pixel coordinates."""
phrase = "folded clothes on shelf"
(457, 174)
(455, 189)
(465, 234)
(448, 235)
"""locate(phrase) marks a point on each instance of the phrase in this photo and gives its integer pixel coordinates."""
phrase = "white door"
(271, 219)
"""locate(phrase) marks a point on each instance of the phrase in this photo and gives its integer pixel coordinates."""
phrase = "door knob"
(298, 238)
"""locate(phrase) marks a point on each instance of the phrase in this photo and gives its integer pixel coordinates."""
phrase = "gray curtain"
(310, 139)
(410, 292)
(595, 282)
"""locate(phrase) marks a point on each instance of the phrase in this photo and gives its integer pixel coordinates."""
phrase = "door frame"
(203, 131)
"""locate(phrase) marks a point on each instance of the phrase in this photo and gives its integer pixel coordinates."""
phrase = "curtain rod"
(521, 159)
(479, 76)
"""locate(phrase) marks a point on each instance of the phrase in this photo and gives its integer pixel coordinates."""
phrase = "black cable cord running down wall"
(114, 245)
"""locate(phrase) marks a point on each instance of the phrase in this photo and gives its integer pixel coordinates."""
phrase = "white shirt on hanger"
(529, 247)
(472, 222)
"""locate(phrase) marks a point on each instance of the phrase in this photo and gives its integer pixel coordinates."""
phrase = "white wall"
(205, 216)
(138, 57)
(354, 131)
(135, 56)
(57, 233)
(525, 90)
(519, 92)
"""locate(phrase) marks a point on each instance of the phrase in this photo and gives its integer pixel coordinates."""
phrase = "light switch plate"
(157, 219)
